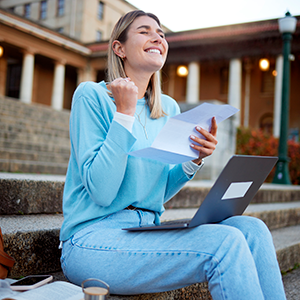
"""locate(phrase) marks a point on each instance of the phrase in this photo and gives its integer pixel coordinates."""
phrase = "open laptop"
(229, 196)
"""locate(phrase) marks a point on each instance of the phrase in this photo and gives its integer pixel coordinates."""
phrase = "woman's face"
(145, 48)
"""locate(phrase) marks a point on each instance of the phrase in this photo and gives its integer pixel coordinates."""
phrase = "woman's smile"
(145, 37)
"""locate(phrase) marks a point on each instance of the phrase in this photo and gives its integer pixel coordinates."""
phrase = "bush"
(256, 142)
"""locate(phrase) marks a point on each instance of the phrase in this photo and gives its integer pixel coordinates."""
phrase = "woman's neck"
(141, 81)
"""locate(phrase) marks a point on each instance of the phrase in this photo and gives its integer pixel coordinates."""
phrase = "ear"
(118, 49)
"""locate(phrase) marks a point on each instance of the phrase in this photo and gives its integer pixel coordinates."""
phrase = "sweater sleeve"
(99, 144)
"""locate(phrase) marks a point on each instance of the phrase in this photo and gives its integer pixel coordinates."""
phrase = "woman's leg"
(155, 261)
(262, 248)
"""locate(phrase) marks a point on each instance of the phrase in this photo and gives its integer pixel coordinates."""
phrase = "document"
(51, 291)
(172, 144)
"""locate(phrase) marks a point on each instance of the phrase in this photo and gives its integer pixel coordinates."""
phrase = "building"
(86, 21)
(41, 65)
(237, 64)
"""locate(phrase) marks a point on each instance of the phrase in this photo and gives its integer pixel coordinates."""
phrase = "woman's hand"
(125, 93)
(205, 146)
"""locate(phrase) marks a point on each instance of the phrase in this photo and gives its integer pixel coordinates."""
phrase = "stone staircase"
(31, 217)
(33, 138)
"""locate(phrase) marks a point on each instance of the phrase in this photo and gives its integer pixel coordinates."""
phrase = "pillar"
(248, 68)
(27, 77)
(234, 88)
(193, 82)
(277, 96)
(57, 100)
(86, 74)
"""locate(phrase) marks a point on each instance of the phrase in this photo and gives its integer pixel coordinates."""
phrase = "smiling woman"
(133, 56)
(107, 190)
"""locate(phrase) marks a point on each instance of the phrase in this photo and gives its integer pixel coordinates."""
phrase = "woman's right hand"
(125, 93)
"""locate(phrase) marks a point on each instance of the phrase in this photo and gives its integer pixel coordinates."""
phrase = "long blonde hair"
(116, 66)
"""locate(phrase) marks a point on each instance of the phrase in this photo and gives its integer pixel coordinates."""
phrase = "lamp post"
(287, 27)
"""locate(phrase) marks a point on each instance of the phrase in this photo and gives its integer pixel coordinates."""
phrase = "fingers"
(121, 83)
(207, 142)
(125, 93)
(214, 127)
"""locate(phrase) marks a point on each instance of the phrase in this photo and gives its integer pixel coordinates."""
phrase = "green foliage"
(256, 142)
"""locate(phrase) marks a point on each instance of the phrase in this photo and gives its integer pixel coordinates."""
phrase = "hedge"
(256, 142)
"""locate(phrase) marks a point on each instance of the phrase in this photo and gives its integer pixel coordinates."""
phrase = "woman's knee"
(248, 224)
(254, 230)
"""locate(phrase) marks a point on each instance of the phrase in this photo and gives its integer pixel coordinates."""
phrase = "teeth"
(153, 51)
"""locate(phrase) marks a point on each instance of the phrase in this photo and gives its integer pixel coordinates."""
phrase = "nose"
(156, 38)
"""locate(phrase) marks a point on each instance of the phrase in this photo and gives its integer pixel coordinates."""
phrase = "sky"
(179, 15)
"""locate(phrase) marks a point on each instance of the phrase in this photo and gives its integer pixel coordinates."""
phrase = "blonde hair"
(116, 66)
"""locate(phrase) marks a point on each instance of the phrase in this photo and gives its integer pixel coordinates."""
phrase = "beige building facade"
(85, 20)
(41, 65)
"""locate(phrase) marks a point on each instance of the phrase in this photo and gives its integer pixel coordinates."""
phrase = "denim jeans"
(236, 257)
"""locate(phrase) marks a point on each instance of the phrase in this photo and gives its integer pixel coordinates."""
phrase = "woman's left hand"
(205, 146)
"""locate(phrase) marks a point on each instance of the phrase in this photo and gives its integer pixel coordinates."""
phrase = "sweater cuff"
(124, 120)
(190, 167)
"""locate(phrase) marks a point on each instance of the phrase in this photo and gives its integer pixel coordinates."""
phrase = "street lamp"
(287, 27)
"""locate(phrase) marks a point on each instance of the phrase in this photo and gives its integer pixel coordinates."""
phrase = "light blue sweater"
(102, 178)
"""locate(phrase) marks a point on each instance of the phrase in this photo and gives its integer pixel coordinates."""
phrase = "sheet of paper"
(172, 144)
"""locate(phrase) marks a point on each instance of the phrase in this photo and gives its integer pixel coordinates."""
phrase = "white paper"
(172, 145)
(52, 291)
(237, 190)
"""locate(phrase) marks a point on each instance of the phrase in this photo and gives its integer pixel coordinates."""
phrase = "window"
(43, 10)
(11, 9)
(98, 36)
(60, 7)
(100, 10)
(60, 30)
(27, 9)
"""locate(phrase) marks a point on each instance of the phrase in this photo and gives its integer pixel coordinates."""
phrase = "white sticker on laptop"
(237, 190)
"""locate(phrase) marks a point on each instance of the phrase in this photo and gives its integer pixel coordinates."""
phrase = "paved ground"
(291, 283)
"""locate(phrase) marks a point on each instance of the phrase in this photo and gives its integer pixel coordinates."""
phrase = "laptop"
(230, 195)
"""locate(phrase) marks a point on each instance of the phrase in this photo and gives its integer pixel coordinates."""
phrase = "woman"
(107, 190)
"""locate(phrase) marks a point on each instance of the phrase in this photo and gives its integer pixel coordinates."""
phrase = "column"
(86, 74)
(277, 96)
(58, 86)
(248, 68)
(27, 77)
(193, 82)
(234, 88)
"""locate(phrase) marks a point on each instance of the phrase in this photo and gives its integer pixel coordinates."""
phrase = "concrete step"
(33, 111)
(291, 282)
(25, 137)
(33, 138)
(275, 215)
(195, 191)
(35, 146)
(20, 154)
(37, 236)
(26, 166)
(13, 124)
(32, 193)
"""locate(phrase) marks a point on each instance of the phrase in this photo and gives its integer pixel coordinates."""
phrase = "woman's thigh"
(154, 261)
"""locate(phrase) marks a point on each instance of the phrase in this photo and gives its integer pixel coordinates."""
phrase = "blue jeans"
(236, 257)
